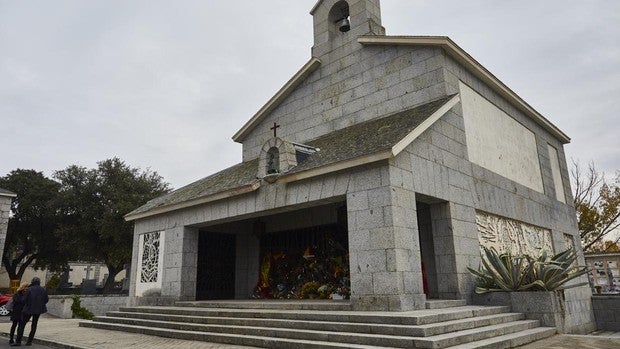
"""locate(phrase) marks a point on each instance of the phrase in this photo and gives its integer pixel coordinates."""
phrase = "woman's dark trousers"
(22, 325)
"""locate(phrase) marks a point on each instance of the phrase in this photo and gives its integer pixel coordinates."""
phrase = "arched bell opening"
(339, 18)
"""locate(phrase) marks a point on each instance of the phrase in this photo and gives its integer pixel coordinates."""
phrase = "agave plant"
(504, 272)
(507, 272)
(557, 271)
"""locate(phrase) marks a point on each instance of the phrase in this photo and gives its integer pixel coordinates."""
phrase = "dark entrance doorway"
(216, 266)
(304, 263)
(436, 247)
(427, 249)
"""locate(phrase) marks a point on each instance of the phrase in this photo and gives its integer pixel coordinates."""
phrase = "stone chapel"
(373, 175)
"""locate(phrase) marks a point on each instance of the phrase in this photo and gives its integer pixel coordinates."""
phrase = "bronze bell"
(344, 25)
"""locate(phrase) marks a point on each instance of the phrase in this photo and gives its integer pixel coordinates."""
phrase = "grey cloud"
(165, 84)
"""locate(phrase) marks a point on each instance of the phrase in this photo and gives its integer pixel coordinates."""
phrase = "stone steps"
(313, 326)
(444, 303)
(419, 317)
(297, 305)
(323, 305)
(456, 338)
(438, 341)
(263, 342)
(374, 328)
(511, 340)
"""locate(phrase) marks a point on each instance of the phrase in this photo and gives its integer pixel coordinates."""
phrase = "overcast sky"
(165, 84)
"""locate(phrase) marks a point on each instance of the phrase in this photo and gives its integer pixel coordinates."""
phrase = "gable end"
(284, 92)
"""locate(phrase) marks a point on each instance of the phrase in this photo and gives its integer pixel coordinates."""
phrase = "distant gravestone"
(89, 286)
(126, 280)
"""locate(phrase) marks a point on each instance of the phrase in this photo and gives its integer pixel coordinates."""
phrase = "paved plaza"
(65, 333)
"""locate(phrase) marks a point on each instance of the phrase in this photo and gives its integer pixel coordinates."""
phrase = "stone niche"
(277, 156)
(512, 236)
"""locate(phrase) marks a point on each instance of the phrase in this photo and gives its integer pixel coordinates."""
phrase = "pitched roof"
(369, 137)
(229, 181)
(385, 136)
(4, 192)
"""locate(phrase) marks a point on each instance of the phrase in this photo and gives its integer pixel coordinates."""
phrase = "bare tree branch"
(597, 205)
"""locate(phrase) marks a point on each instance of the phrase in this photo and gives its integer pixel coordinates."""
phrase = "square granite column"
(383, 243)
(180, 263)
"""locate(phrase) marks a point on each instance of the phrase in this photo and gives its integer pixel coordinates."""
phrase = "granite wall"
(60, 306)
(607, 312)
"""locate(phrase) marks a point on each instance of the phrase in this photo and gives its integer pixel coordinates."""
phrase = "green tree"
(605, 246)
(30, 239)
(598, 207)
(93, 204)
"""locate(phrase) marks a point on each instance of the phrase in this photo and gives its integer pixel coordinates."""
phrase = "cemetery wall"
(604, 272)
(98, 304)
(607, 312)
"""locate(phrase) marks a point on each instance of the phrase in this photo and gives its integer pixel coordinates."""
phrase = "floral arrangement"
(308, 272)
(310, 290)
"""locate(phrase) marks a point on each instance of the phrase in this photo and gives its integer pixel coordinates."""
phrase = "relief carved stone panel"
(508, 235)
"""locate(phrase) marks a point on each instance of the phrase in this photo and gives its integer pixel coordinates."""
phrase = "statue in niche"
(273, 161)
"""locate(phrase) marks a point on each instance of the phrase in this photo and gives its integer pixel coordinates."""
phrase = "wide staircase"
(322, 324)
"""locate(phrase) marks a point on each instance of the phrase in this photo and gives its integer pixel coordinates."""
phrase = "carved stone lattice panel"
(508, 235)
(150, 257)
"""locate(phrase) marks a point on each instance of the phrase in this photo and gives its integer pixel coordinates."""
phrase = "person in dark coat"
(36, 299)
(19, 299)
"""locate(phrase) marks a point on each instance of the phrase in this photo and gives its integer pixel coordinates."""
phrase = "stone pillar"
(407, 261)
(443, 244)
(466, 247)
(180, 261)
(133, 270)
(383, 244)
(189, 262)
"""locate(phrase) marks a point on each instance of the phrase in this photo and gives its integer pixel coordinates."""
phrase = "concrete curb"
(49, 343)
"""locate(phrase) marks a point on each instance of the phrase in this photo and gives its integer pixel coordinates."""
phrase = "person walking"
(19, 299)
(34, 306)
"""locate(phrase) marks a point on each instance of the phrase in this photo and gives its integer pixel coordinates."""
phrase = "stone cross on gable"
(275, 129)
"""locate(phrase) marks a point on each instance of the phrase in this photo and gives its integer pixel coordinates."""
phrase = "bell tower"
(339, 22)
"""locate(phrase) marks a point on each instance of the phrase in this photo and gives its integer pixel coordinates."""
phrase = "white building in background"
(6, 198)
(79, 271)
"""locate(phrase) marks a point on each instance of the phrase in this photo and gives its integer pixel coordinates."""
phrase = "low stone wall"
(570, 311)
(98, 304)
(607, 312)
(151, 301)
